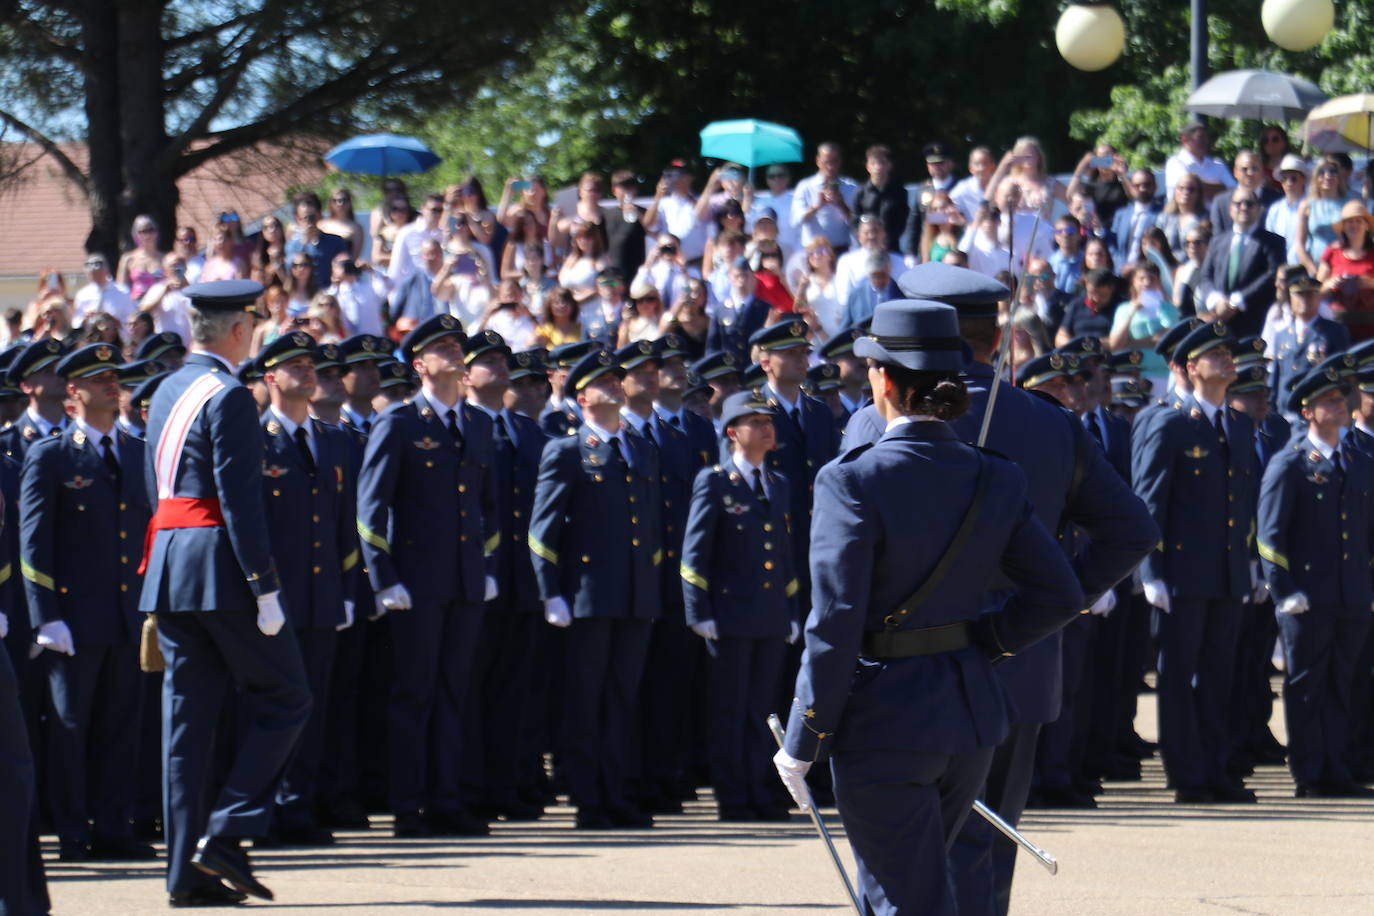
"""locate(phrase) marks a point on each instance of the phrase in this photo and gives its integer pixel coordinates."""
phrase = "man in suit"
(77, 510)
(1130, 223)
(1315, 532)
(503, 702)
(595, 543)
(427, 518)
(1248, 169)
(1236, 279)
(213, 585)
(741, 599)
(1194, 466)
(1307, 340)
(307, 487)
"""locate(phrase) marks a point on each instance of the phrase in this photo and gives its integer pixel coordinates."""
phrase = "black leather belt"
(921, 641)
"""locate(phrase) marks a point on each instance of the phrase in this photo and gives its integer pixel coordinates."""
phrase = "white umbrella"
(1259, 95)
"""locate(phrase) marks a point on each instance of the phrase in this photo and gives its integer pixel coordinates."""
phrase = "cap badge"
(103, 354)
(1219, 328)
(603, 358)
(299, 340)
(522, 359)
(797, 329)
(53, 346)
(1332, 374)
(1056, 361)
(447, 321)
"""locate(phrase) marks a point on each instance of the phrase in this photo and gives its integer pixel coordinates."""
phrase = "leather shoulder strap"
(955, 548)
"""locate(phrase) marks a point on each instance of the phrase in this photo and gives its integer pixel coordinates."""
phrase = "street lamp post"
(1197, 44)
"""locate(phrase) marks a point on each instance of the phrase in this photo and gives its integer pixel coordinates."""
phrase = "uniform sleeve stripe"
(372, 537)
(36, 577)
(692, 577)
(492, 543)
(5, 572)
(350, 561)
(792, 588)
(1272, 555)
(541, 550)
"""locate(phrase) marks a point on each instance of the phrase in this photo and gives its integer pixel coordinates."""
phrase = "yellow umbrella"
(1342, 122)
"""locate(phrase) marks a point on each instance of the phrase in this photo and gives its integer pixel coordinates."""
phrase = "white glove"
(270, 616)
(394, 598)
(55, 637)
(706, 629)
(1104, 605)
(348, 615)
(492, 589)
(1237, 301)
(556, 612)
(4, 625)
(795, 632)
(793, 773)
(380, 609)
(1295, 603)
(1259, 589)
(1157, 593)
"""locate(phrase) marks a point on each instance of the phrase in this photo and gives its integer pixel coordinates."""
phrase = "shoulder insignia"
(426, 412)
(78, 483)
(273, 427)
(426, 444)
(593, 442)
(1195, 413)
(30, 432)
(274, 470)
(734, 477)
(1315, 456)
(79, 437)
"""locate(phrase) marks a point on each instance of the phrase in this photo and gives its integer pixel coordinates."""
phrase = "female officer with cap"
(899, 560)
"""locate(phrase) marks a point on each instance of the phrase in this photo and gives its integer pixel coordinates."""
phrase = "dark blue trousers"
(666, 699)
(93, 727)
(901, 811)
(207, 653)
(300, 786)
(433, 644)
(982, 861)
(338, 773)
(499, 707)
(1320, 648)
(1197, 654)
(1055, 759)
(23, 888)
(603, 660)
(741, 683)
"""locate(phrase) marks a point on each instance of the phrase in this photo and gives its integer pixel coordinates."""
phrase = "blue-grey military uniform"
(1315, 534)
(80, 545)
(310, 518)
(1294, 357)
(427, 518)
(736, 570)
(905, 773)
(1199, 485)
(203, 582)
(595, 542)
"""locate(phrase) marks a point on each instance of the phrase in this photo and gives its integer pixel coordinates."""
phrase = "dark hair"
(979, 333)
(941, 395)
(306, 197)
(624, 177)
(1100, 276)
(474, 184)
(879, 151)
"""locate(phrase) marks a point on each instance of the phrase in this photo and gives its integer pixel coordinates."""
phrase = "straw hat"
(1354, 209)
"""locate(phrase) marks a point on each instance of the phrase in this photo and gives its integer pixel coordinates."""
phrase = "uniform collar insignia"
(273, 427)
(426, 412)
(30, 432)
(1196, 413)
(79, 437)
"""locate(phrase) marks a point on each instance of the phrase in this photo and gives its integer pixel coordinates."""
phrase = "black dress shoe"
(1065, 798)
(146, 828)
(456, 823)
(122, 848)
(1194, 795)
(1306, 790)
(629, 818)
(736, 814)
(661, 804)
(1232, 794)
(590, 817)
(346, 815)
(214, 895)
(773, 814)
(1121, 768)
(410, 826)
(222, 857)
(1339, 788)
(304, 835)
(520, 811)
(73, 851)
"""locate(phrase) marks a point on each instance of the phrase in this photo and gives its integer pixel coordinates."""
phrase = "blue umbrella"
(750, 142)
(382, 154)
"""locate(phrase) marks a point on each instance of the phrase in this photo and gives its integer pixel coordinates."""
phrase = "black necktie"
(367, 425)
(1336, 461)
(797, 420)
(303, 446)
(619, 455)
(453, 430)
(503, 444)
(107, 450)
(1095, 428)
(758, 487)
(1221, 429)
(676, 421)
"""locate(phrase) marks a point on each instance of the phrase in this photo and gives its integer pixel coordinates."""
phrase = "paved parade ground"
(1139, 853)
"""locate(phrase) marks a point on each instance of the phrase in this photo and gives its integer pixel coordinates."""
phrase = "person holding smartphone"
(1101, 176)
(165, 300)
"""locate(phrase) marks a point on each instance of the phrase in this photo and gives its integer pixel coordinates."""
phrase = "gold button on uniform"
(634, 542)
(767, 564)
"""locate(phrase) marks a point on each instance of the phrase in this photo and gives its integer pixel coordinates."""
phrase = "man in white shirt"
(674, 210)
(1195, 156)
(779, 199)
(166, 301)
(851, 269)
(821, 204)
(1282, 216)
(187, 245)
(972, 191)
(102, 294)
(360, 306)
(405, 252)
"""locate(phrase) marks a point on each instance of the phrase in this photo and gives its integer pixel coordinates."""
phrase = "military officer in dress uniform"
(33, 373)
(131, 375)
(1194, 466)
(166, 347)
(722, 371)
(529, 383)
(1068, 481)
(362, 353)
(595, 544)
(213, 586)
(12, 400)
(915, 527)
(563, 416)
(427, 518)
(741, 599)
(673, 382)
(307, 487)
(1316, 532)
(1306, 340)
(823, 384)
(501, 705)
(852, 374)
(82, 506)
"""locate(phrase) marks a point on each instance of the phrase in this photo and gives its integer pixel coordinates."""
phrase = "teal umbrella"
(750, 142)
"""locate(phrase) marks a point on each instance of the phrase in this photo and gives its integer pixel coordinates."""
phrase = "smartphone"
(1089, 208)
(521, 185)
(54, 283)
(179, 272)
(1102, 162)
(937, 217)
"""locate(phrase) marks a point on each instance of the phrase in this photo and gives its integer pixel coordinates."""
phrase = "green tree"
(159, 87)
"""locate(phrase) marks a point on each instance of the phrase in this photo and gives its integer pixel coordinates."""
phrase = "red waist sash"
(180, 512)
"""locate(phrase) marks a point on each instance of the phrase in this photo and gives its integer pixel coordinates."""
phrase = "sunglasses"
(1244, 203)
